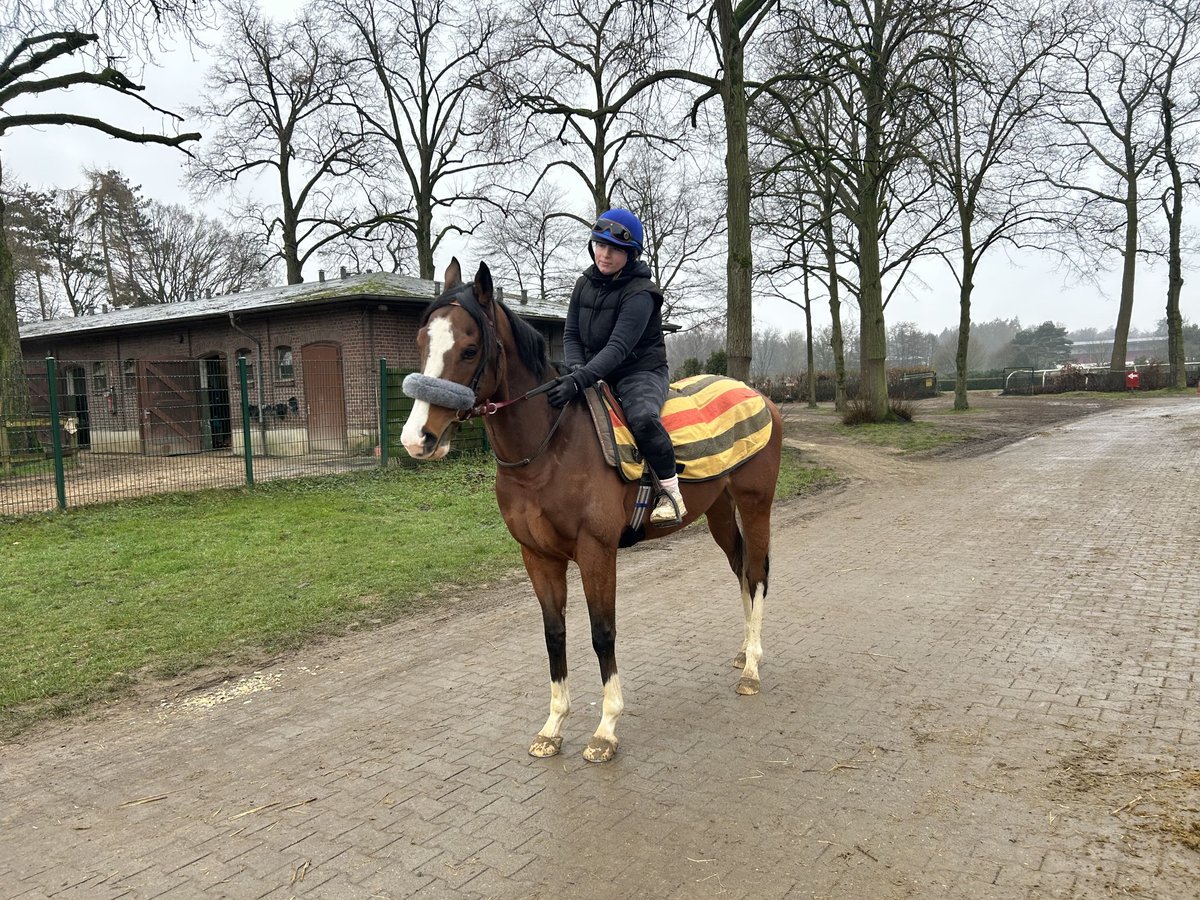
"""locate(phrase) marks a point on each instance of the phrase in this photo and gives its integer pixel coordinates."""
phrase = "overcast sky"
(1026, 287)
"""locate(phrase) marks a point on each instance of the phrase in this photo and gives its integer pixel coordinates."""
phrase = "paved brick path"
(980, 682)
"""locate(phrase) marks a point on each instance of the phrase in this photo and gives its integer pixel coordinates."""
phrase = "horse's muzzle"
(430, 445)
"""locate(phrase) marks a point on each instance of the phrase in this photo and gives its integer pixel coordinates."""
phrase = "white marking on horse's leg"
(441, 342)
(560, 708)
(614, 704)
(753, 648)
(747, 614)
(549, 740)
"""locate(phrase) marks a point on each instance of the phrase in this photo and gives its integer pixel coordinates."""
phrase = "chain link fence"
(94, 431)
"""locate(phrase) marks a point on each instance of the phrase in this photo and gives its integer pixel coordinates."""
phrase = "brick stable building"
(164, 380)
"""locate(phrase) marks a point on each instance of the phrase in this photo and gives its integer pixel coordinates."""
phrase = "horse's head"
(459, 362)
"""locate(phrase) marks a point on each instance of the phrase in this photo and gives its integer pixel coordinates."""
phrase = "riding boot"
(668, 509)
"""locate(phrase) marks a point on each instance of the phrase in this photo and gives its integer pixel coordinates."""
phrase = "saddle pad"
(715, 423)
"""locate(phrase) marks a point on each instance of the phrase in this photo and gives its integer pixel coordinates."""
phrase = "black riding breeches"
(642, 395)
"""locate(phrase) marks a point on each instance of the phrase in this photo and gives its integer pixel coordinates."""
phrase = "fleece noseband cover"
(438, 391)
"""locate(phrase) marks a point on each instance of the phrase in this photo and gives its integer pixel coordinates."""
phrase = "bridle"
(492, 348)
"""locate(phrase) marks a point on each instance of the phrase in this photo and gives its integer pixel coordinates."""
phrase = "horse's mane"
(531, 346)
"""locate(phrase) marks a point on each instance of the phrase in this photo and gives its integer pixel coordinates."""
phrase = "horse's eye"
(470, 353)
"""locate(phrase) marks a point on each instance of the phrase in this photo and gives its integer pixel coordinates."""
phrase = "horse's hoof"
(748, 686)
(543, 747)
(600, 750)
(739, 661)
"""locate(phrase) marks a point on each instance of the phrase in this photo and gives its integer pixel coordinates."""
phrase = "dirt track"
(992, 422)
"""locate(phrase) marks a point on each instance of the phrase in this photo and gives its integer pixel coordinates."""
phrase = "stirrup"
(677, 511)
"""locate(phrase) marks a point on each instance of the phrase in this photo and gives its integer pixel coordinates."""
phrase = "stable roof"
(377, 286)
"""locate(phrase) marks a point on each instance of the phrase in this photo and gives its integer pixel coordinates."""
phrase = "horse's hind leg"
(598, 571)
(723, 525)
(754, 510)
(549, 579)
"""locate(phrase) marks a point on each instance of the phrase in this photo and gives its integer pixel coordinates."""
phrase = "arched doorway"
(324, 396)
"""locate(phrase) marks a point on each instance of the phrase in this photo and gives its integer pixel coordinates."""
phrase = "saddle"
(715, 423)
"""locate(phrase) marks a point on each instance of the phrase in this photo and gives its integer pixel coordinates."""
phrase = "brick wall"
(362, 331)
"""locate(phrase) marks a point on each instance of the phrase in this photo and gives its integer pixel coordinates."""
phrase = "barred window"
(100, 376)
(284, 370)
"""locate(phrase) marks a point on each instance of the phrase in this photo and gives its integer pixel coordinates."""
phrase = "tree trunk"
(12, 382)
(107, 255)
(290, 220)
(600, 150)
(872, 331)
(964, 320)
(1116, 366)
(1176, 356)
(43, 301)
(291, 248)
(425, 242)
(739, 335)
(808, 343)
(835, 305)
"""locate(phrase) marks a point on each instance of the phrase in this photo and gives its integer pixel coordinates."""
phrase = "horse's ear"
(453, 277)
(483, 283)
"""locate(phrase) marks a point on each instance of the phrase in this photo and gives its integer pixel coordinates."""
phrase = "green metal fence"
(471, 437)
(77, 432)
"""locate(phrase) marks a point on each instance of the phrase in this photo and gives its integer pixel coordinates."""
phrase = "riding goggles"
(616, 229)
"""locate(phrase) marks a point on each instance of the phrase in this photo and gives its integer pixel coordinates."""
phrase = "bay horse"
(558, 496)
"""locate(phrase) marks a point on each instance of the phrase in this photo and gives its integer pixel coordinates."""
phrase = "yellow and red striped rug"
(716, 424)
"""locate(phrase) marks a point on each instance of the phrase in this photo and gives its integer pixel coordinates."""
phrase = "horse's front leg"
(598, 570)
(549, 578)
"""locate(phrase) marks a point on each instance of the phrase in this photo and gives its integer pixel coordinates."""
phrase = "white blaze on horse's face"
(419, 440)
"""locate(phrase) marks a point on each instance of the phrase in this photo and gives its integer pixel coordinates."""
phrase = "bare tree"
(1173, 32)
(909, 346)
(868, 76)
(583, 69)
(383, 245)
(786, 216)
(1108, 86)
(277, 96)
(683, 228)
(730, 27)
(696, 343)
(986, 157)
(186, 256)
(38, 39)
(532, 240)
(422, 69)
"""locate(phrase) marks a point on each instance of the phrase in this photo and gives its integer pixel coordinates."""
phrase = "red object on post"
(1133, 381)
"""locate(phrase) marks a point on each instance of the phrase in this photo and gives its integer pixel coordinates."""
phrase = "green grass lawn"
(98, 598)
(906, 437)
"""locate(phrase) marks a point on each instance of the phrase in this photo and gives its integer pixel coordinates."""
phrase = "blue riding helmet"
(619, 228)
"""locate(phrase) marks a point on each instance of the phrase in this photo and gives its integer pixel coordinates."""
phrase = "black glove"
(565, 389)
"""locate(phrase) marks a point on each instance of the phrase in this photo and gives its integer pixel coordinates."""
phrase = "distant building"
(1137, 349)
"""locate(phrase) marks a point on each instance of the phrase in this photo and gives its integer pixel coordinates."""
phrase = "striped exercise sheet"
(716, 424)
